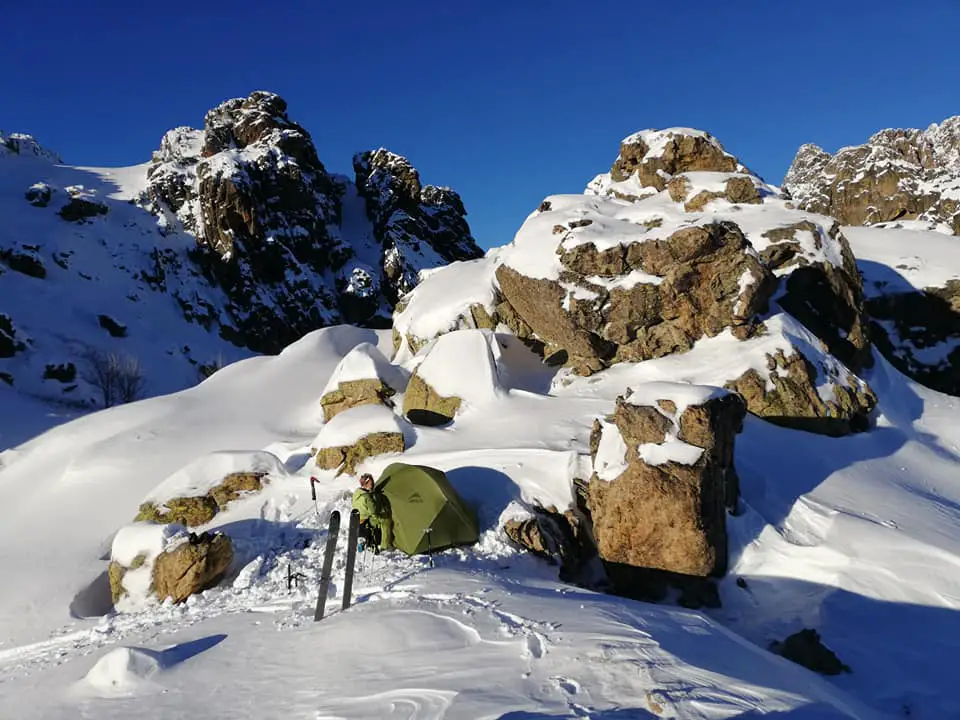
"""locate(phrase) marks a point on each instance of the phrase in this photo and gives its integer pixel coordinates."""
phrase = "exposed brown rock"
(189, 511)
(348, 457)
(422, 405)
(669, 517)
(794, 401)
(895, 175)
(353, 393)
(192, 567)
(682, 153)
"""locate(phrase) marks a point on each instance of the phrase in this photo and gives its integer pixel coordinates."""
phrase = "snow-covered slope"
(233, 240)
(853, 536)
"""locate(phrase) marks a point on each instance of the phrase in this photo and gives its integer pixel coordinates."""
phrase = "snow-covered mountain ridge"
(233, 239)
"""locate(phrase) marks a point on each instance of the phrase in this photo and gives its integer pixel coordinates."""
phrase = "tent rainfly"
(428, 514)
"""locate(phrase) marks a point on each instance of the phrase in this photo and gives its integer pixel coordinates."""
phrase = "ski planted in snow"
(333, 531)
(352, 538)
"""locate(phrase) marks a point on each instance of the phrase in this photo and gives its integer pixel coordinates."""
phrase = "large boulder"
(192, 566)
(357, 434)
(663, 478)
(458, 369)
(897, 175)
(363, 377)
(156, 562)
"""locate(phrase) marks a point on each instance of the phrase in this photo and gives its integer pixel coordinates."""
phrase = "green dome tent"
(427, 512)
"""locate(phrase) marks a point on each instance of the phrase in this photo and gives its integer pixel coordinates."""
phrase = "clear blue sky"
(504, 101)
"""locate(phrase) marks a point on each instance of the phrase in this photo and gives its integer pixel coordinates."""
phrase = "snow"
(208, 471)
(351, 425)
(141, 538)
(894, 261)
(671, 450)
(464, 364)
(842, 534)
(365, 362)
(611, 459)
(122, 672)
(441, 299)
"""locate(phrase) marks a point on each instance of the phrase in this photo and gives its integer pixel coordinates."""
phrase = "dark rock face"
(267, 217)
(805, 648)
(903, 340)
(896, 175)
(411, 221)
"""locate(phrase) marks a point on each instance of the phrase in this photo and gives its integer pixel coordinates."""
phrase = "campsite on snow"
(687, 446)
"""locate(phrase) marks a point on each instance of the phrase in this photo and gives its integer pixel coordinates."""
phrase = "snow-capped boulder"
(191, 567)
(663, 477)
(193, 495)
(650, 158)
(364, 376)
(357, 434)
(164, 561)
(459, 369)
(897, 175)
(559, 538)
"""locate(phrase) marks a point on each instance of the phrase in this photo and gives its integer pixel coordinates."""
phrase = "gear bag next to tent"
(428, 514)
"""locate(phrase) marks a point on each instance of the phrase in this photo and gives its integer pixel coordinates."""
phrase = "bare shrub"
(118, 378)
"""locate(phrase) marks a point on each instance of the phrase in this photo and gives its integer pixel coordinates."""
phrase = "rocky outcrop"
(192, 566)
(663, 478)
(559, 538)
(410, 220)
(268, 219)
(919, 333)
(619, 275)
(897, 175)
(197, 510)
(422, 405)
(346, 458)
(654, 156)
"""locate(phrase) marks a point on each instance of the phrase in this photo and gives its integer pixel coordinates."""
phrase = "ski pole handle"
(313, 489)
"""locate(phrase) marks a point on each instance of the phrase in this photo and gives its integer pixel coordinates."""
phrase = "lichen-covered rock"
(192, 567)
(363, 377)
(346, 458)
(422, 405)
(896, 175)
(661, 481)
(188, 511)
(559, 538)
(234, 486)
